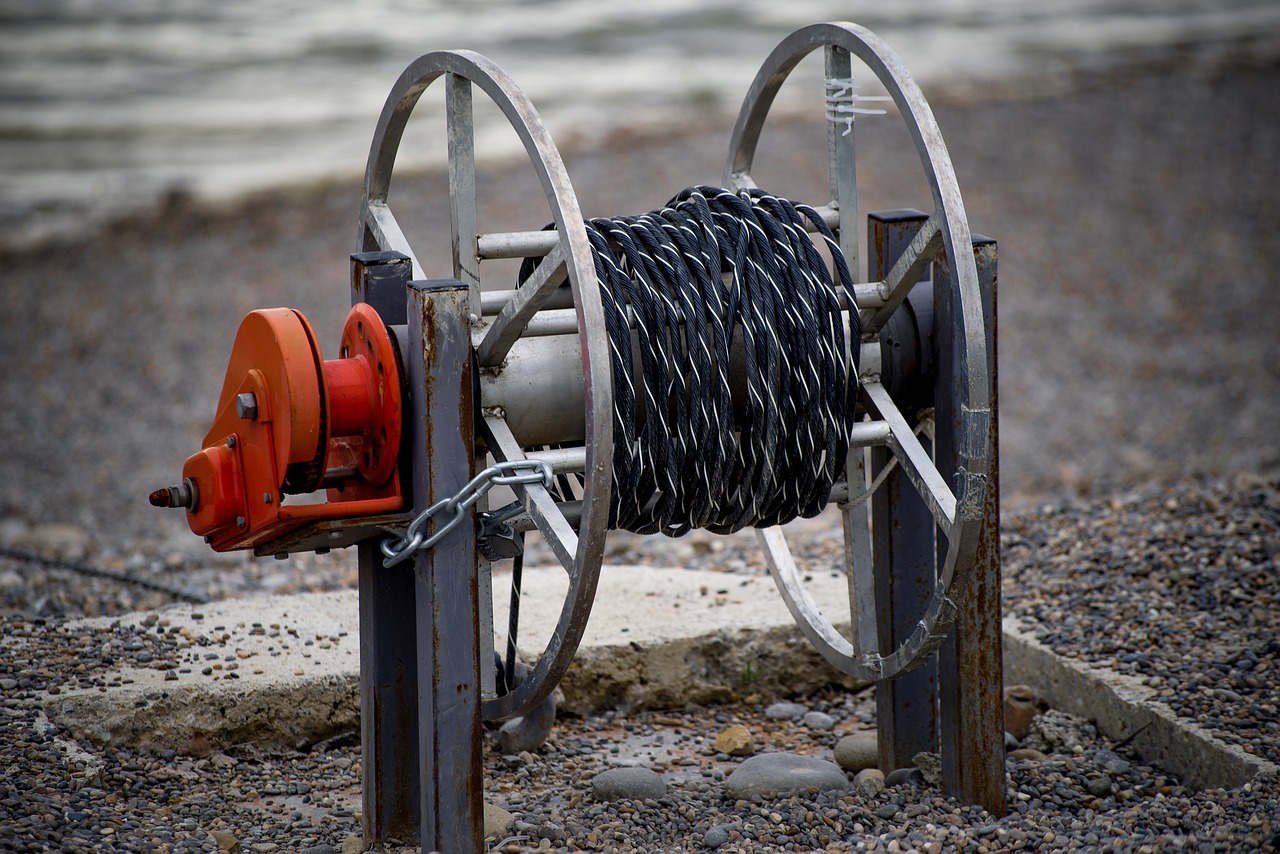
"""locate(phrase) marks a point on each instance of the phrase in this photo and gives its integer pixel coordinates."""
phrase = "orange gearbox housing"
(290, 423)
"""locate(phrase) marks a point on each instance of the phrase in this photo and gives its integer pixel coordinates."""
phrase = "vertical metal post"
(971, 660)
(449, 734)
(906, 707)
(388, 626)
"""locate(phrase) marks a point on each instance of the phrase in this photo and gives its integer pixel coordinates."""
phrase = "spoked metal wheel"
(944, 240)
(501, 324)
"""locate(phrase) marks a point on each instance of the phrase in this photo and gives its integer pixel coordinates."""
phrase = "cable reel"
(546, 367)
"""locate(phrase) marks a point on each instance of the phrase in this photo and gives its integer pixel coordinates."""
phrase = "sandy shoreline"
(1137, 321)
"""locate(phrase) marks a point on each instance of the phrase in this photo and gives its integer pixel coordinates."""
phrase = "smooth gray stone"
(820, 721)
(775, 773)
(858, 751)
(715, 837)
(786, 712)
(637, 783)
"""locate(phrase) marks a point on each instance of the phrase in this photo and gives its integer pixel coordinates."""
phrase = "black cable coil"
(710, 267)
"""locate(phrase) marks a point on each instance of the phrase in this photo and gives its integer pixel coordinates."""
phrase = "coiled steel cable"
(686, 287)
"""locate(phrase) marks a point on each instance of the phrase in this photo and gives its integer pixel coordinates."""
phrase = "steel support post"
(443, 429)
(388, 626)
(971, 680)
(903, 548)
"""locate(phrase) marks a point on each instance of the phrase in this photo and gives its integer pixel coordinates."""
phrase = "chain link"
(509, 473)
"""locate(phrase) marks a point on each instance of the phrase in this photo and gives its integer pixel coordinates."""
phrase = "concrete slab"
(284, 670)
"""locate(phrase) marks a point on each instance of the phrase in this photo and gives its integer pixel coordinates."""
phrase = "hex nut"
(247, 406)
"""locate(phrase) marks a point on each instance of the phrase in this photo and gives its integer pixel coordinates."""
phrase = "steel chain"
(508, 473)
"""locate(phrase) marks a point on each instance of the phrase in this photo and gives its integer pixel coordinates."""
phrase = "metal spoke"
(382, 224)
(915, 460)
(843, 163)
(516, 314)
(857, 558)
(462, 185)
(539, 504)
(915, 259)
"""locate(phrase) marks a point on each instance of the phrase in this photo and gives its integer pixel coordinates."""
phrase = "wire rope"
(733, 381)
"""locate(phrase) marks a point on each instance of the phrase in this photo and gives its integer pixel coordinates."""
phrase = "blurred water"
(107, 106)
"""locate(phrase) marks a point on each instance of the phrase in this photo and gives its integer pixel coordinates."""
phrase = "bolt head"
(247, 406)
(241, 522)
(266, 498)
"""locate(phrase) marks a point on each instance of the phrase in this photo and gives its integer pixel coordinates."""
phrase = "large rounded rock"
(858, 751)
(618, 783)
(778, 773)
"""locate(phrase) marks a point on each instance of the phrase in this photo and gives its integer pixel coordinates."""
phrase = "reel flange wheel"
(577, 546)
(943, 239)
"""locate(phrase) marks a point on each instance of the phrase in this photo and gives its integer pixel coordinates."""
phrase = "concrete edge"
(290, 715)
(1122, 707)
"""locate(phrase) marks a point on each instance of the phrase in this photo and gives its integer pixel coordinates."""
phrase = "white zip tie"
(842, 98)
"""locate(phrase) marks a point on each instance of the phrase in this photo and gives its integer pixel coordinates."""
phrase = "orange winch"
(290, 423)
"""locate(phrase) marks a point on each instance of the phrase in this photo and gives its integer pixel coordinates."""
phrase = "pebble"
(869, 782)
(497, 820)
(773, 773)
(225, 841)
(785, 711)
(735, 740)
(820, 721)
(1098, 786)
(1020, 708)
(715, 837)
(1111, 761)
(858, 751)
(904, 777)
(1026, 753)
(636, 783)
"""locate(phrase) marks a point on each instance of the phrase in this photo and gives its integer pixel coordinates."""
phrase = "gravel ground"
(1138, 356)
